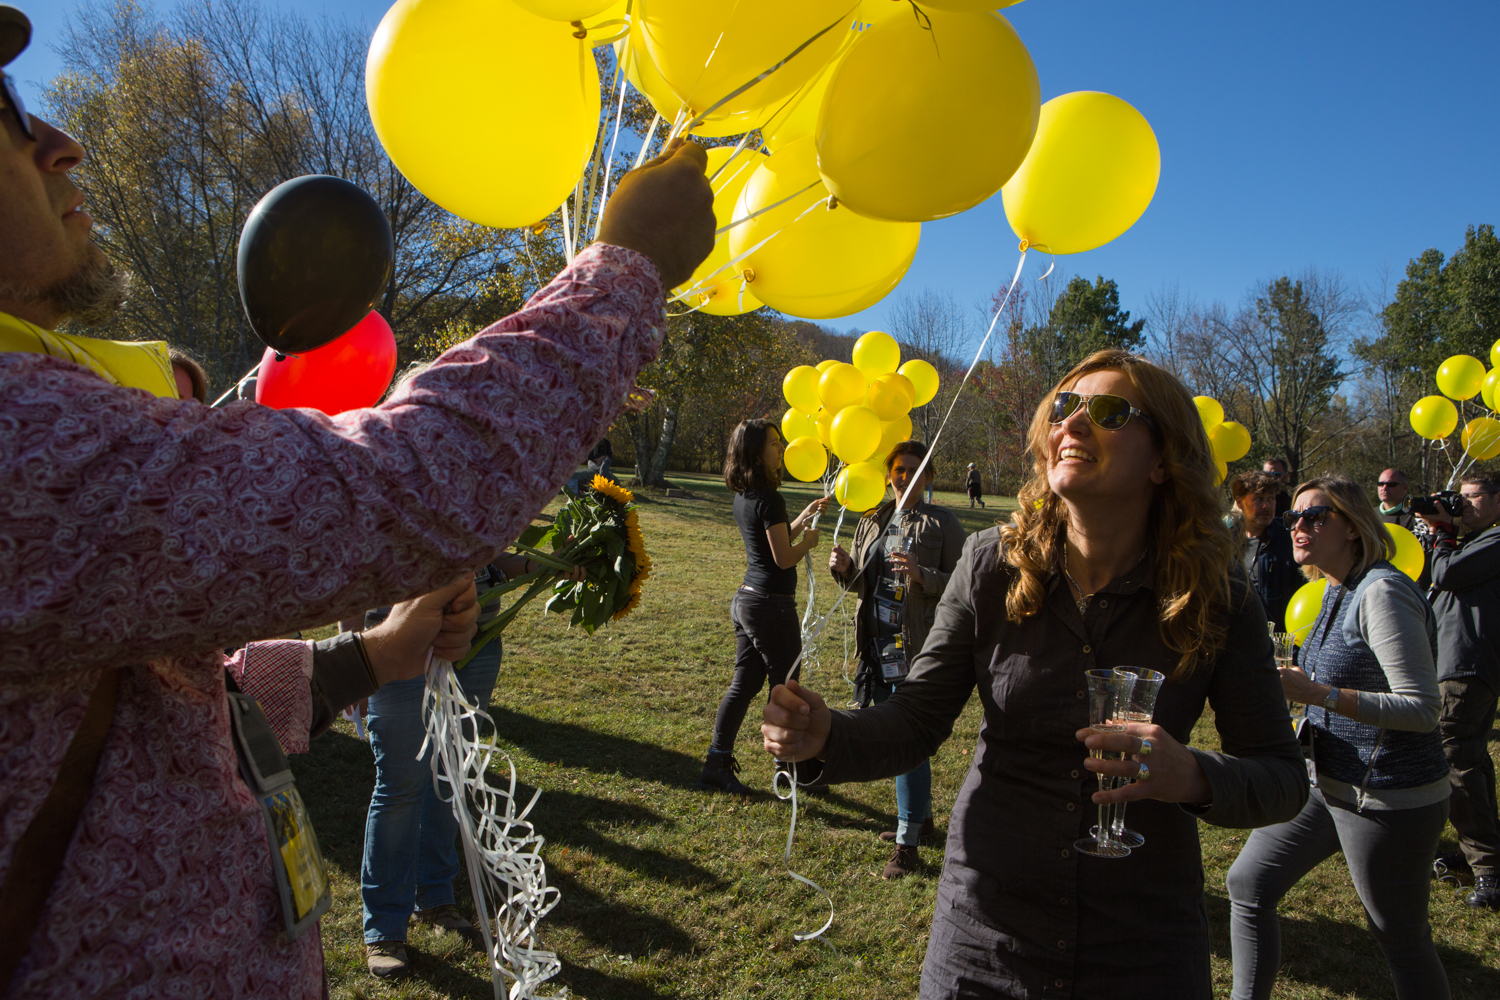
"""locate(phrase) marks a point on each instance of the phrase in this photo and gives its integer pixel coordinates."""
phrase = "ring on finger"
(1145, 750)
(1145, 774)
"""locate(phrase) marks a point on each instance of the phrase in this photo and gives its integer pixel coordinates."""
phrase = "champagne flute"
(1286, 652)
(1109, 699)
(1142, 699)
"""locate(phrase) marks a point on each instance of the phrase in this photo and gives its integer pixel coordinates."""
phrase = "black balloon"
(315, 255)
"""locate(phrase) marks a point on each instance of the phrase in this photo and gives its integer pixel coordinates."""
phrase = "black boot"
(719, 770)
(1486, 894)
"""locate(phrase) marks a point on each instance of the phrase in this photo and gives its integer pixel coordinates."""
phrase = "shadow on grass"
(613, 924)
(567, 744)
(336, 778)
(587, 982)
(1343, 958)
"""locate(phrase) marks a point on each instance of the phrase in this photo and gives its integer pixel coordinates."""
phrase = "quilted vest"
(1362, 755)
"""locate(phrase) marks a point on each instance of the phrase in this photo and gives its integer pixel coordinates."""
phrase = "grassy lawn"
(668, 892)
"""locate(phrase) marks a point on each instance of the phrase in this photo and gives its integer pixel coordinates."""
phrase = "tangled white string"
(502, 850)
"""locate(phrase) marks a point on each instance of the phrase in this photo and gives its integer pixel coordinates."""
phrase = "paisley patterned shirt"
(145, 534)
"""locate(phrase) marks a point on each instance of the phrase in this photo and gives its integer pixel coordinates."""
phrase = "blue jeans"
(411, 850)
(913, 789)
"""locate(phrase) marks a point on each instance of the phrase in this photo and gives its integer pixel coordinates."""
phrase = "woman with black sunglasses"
(1366, 672)
(1116, 556)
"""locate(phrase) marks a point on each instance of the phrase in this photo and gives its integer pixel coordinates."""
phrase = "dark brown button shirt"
(1019, 912)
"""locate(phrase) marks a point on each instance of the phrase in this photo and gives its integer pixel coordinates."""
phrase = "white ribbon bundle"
(501, 848)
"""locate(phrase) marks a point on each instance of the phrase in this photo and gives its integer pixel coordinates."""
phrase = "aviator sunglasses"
(13, 98)
(1105, 410)
(1315, 516)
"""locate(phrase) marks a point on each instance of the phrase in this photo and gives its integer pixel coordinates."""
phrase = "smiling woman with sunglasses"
(1116, 556)
(1366, 673)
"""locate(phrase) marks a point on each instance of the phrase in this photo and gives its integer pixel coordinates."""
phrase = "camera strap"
(301, 874)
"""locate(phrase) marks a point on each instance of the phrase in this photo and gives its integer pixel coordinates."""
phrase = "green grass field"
(668, 892)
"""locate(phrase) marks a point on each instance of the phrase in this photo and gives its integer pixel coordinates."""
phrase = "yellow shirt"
(139, 365)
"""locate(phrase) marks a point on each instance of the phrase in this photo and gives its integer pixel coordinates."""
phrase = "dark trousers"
(1468, 716)
(768, 639)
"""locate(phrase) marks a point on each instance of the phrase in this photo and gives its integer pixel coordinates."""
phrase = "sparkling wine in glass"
(1286, 652)
(1142, 702)
(1109, 699)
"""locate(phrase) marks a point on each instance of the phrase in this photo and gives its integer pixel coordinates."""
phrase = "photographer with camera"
(1399, 508)
(1466, 592)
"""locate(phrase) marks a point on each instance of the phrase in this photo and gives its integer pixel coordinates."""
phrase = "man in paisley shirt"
(141, 533)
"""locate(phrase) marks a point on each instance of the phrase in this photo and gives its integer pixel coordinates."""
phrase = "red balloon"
(351, 372)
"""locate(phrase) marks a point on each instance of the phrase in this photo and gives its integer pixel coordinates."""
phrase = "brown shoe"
(447, 918)
(889, 836)
(903, 862)
(387, 959)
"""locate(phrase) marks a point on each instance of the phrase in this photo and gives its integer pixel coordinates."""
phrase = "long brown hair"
(744, 463)
(1193, 548)
(1349, 499)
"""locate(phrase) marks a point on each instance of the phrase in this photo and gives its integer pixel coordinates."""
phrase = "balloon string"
(791, 779)
(704, 282)
(640, 156)
(624, 87)
(589, 216)
(235, 388)
(932, 447)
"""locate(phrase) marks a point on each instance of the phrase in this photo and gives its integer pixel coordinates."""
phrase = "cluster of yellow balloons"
(1302, 610)
(873, 119)
(1462, 377)
(857, 411)
(1227, 440)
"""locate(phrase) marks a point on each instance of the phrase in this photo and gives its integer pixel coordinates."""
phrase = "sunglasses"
(13, 98)
(1105, 410)
(1317, 515)
(1388, 482)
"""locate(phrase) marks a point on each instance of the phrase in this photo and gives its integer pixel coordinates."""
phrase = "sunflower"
(614, 491)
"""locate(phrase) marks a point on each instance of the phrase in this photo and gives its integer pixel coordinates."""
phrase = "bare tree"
(933, 327)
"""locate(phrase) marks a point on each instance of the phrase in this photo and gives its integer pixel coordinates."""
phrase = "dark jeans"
(768, 638)
(1468, 716)
(1389, 853)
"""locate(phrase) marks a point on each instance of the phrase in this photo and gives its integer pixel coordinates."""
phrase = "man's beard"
(89, 296)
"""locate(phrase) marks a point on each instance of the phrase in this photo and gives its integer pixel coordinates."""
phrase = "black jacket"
(1277, 575)
(1466, 594)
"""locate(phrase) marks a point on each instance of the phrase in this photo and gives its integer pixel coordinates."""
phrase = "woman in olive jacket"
(1116, 556)
(897, 598)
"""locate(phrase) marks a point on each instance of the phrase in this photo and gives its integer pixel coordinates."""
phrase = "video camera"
(1448, 500)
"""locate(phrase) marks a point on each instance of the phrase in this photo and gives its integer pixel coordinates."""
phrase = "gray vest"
(1363, 755)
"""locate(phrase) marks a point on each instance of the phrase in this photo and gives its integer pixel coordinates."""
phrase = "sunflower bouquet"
(597, 530)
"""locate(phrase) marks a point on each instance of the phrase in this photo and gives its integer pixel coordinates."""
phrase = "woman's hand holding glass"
(1174, 774)
(1301, 688)
(796, 722)
(905, 562)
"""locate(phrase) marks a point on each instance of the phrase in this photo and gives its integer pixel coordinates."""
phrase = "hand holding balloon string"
(664, 210)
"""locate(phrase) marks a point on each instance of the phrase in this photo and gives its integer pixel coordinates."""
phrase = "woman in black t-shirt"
(767, 632)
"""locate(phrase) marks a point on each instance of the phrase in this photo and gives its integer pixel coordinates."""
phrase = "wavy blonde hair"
(1193, 548)
(1349, 499)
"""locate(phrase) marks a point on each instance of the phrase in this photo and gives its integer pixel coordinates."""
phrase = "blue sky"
(1337, 134)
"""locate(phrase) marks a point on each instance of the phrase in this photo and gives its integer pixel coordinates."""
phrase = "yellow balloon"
(519, 91)
(1302, 610)
(1460, 377)
(1221, 470)
(877, 353)
(1089, 175)
(721, 288)
(904, 384)
(800, 387)
(816, 261)
(795, 424)
(826, 364)
(643, 76)
(707, 49)
(1409, 557)
(824, 419)
(1487, 389)
(1433, 417)
(886, 400)
(564, 10)
(1495, 354)
(1481, 437)
(924, 120)
(924, 378)
(840, 386)
(860, 486)
(969, 6)
(1230, 441)
(855, 433)
(1209, 411)
(892, 433)
(805, 459)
